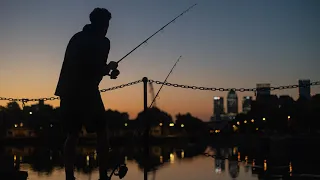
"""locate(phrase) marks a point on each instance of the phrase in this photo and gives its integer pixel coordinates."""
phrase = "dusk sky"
(230, 44)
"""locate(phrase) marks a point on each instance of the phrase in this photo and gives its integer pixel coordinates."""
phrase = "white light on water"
(171, 158)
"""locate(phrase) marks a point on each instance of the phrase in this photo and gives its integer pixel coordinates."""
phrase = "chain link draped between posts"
(25, 100)
(234, 89)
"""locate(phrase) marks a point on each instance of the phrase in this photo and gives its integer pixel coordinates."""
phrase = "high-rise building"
(218, 107)
(304, 88)
(232, 102)
(246, 104)
(263, 89)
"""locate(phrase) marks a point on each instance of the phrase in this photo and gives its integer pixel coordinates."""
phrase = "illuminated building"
(232, 102)
(263, 89)
(304, 91)
(246, 104)
(218, 107)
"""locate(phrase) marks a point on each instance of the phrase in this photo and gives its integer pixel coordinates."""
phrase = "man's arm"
(106, 68)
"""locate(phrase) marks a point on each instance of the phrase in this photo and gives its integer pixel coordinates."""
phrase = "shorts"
(83, 111)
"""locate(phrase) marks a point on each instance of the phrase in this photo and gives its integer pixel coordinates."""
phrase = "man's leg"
(72, 125)
(70, 154)
(102, 150)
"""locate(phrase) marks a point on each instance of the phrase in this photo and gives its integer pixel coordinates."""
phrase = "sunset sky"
(222, 43)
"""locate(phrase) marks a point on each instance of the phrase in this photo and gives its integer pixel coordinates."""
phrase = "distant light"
(257, 129)
(216, 98)
(245, 121)
(16, 125)
(217, 131)
(234, 126)
(289, 117)
(182, 154)
(21, 124)
(238, 123)
(182, 125)
(30, 112)
(40, 127)
(88, 159)
(51, 125)
(248, 97)
(171, 158)
(252, 120)
(160, 124)
(125, 124)
(171, 124)
(263, 119)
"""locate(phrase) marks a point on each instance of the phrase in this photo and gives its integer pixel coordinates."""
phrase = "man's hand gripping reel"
(112, 66)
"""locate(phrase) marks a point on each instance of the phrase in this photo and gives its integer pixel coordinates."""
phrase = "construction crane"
(152, 94)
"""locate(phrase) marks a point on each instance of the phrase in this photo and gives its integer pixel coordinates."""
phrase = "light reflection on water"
(165, 162)
(199, 168)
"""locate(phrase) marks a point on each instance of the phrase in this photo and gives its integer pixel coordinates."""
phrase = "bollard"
(147, 126)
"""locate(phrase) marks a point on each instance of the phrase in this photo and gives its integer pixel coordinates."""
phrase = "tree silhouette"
(155, 116)
(191, 125)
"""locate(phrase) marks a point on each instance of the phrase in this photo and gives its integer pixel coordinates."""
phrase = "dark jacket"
(84, 61)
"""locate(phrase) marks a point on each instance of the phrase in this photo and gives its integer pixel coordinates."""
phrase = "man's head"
(100, 18)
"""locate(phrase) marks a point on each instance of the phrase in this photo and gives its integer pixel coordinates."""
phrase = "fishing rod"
(156, 33)
(165, 81)
(139, 130)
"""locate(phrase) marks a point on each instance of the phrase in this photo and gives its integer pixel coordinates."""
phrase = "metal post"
(147, 128)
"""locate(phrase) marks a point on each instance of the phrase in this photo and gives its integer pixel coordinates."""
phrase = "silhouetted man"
(83, 68)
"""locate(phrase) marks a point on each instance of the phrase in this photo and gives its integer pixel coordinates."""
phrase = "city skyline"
(232, 95)
(222, 44)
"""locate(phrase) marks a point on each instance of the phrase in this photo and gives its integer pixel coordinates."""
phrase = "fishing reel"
(114, 74)
(120, 170)
(111, 70)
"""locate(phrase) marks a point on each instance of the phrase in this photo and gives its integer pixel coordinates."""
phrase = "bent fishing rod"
(139, 130)
(156, 33)
(164, 81)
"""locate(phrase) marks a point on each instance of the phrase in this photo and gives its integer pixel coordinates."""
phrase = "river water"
(188, 162)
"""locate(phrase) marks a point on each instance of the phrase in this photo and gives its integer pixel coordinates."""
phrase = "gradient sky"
(222, 44)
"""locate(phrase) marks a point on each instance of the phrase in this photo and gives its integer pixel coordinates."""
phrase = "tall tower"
(218, 107)
(232, 102)
(263, 89)
(304, 88)
(246, 104)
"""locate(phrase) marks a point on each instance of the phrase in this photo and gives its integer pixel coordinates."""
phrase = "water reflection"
(223, 160)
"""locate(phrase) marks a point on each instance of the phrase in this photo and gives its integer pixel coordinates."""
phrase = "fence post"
(147, 126)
